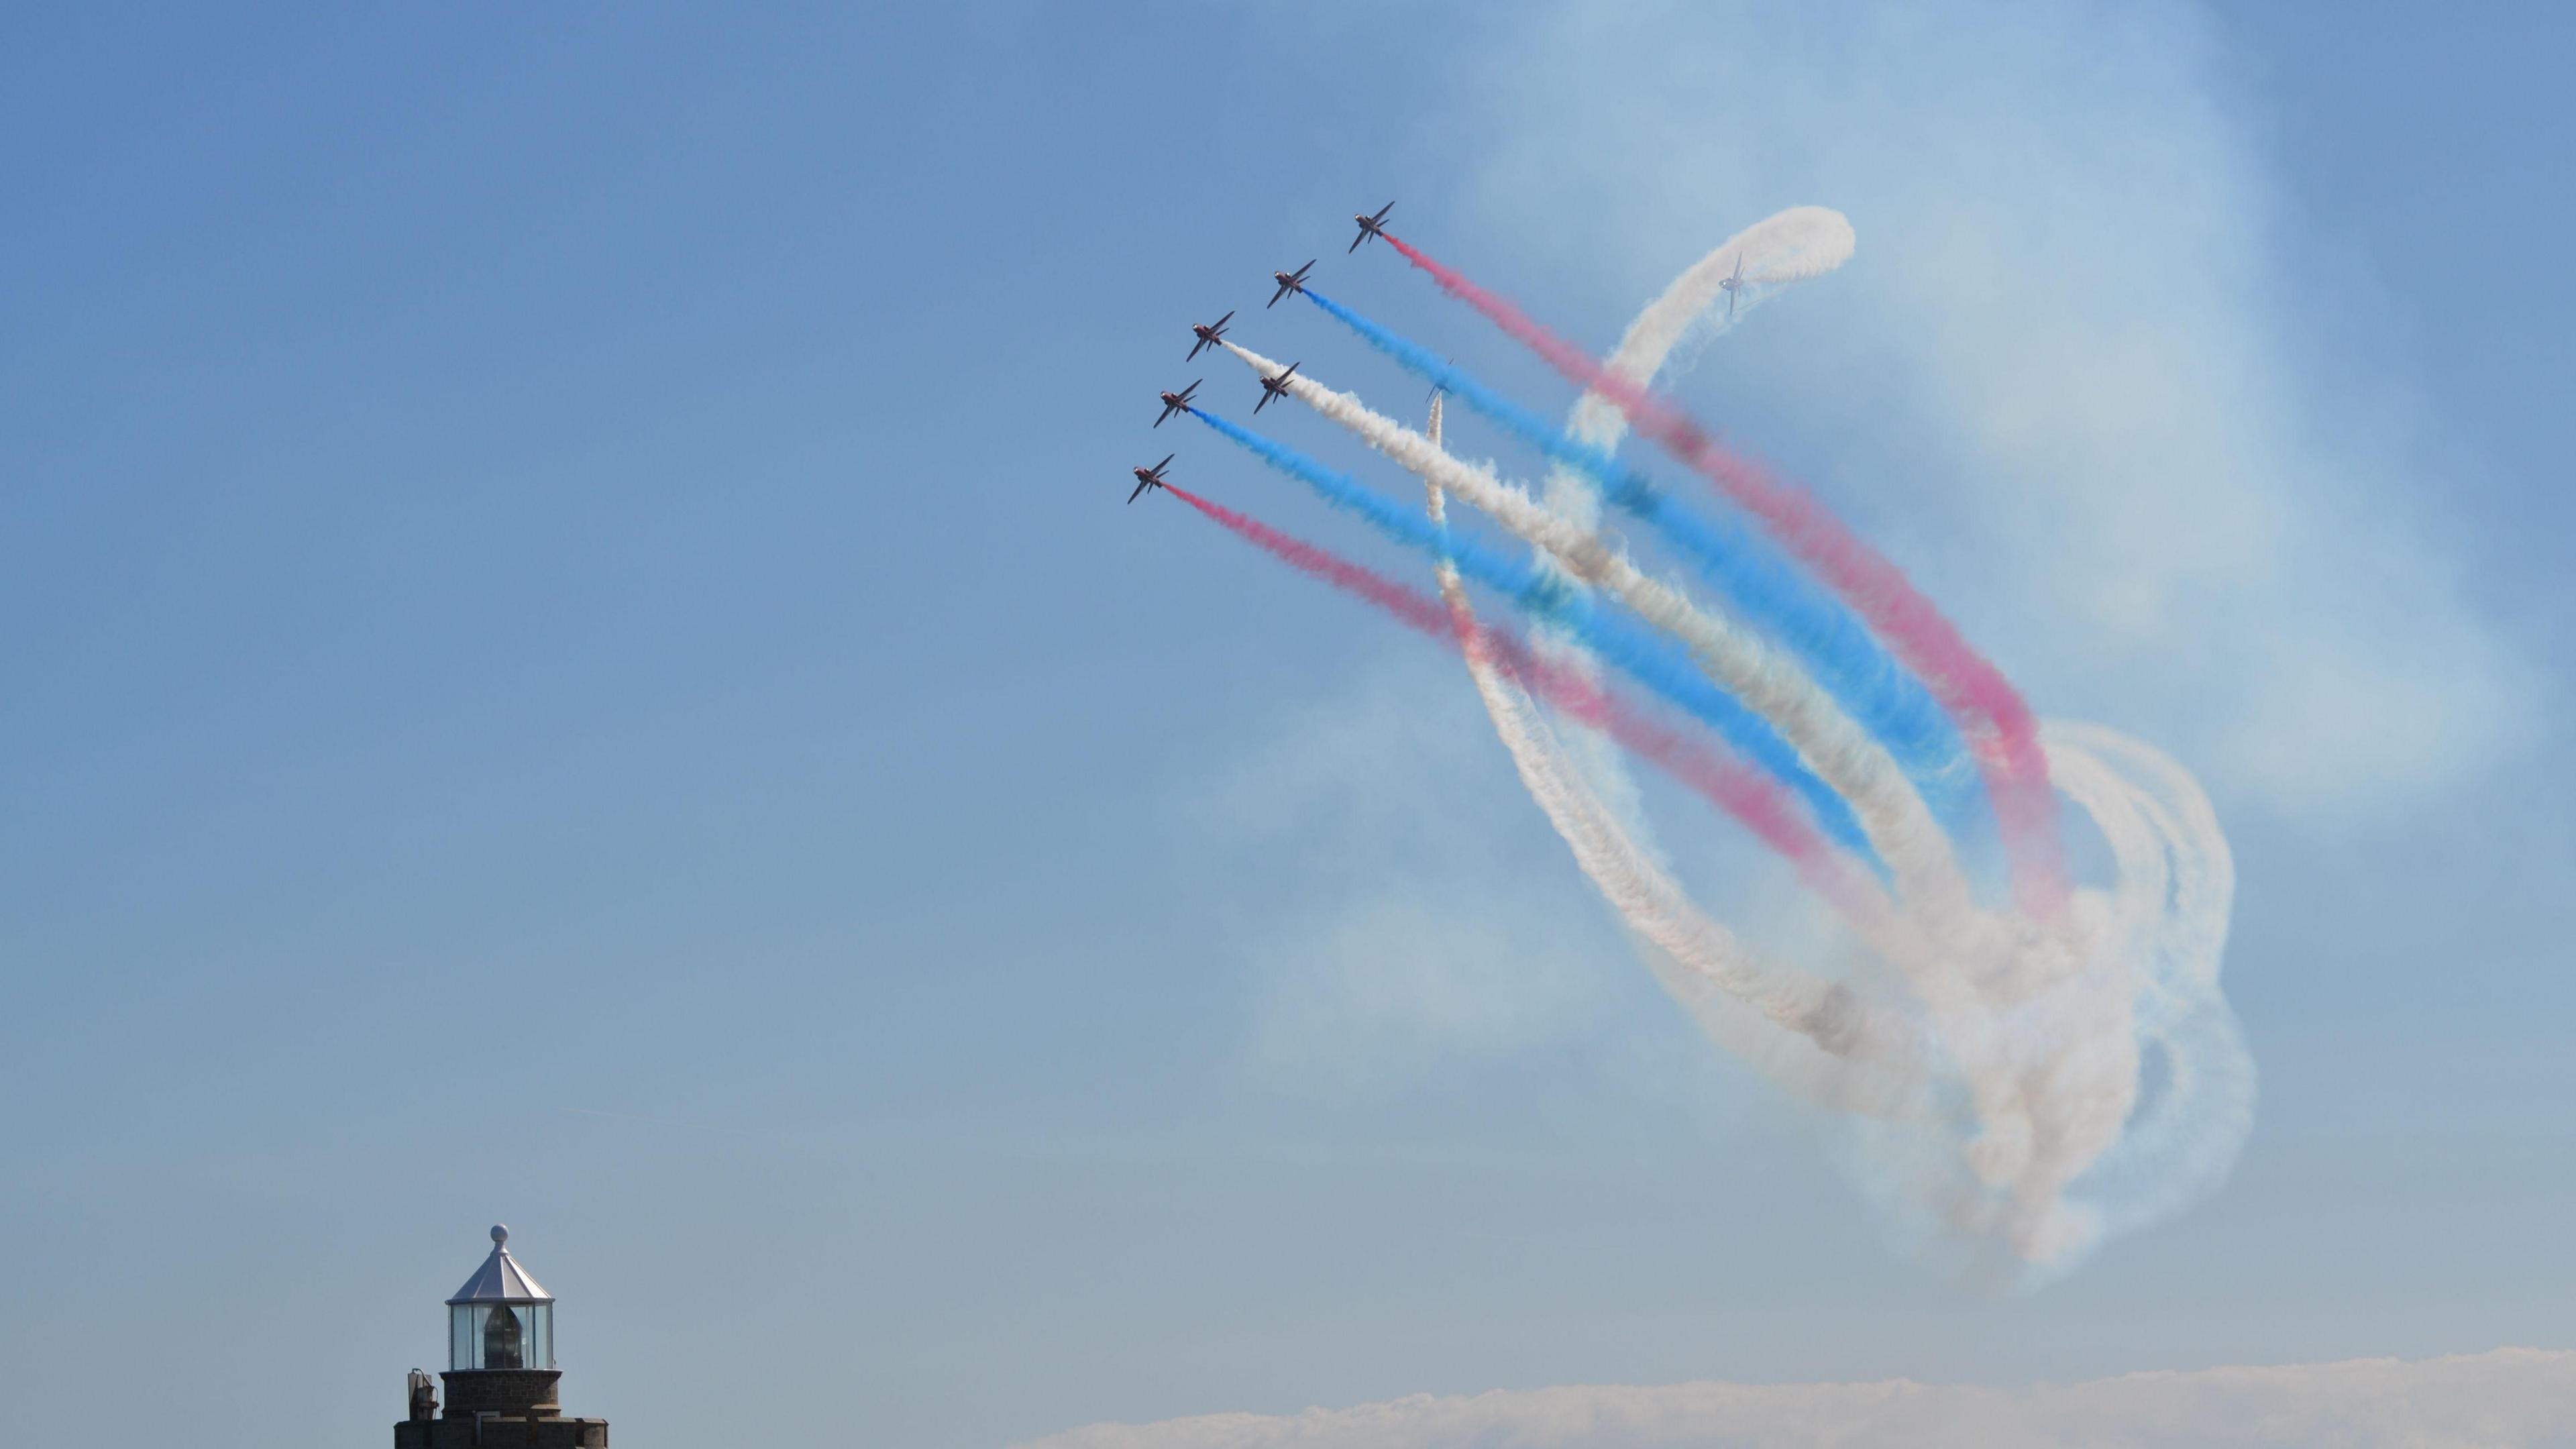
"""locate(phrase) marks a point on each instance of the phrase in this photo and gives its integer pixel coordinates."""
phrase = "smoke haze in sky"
(2069, 342)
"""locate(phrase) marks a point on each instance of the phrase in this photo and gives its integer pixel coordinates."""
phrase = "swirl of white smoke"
(2130, 977)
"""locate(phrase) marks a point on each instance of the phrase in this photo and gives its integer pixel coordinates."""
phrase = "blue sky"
(575, 659)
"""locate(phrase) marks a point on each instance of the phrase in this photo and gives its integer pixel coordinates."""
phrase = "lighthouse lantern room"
(501, 1318)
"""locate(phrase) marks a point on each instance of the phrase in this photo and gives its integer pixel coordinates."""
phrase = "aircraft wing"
(1139, 493)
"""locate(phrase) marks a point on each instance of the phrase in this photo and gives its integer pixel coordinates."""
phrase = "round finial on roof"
(500, 1235)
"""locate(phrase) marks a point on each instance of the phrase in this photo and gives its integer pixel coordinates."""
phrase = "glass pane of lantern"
(504, 1339)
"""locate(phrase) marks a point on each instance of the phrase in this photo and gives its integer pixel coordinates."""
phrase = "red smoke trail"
(1971, 689)
(1751, 798)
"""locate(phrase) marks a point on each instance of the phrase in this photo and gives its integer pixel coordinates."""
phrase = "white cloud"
(2499, 1400)
(2066, 378)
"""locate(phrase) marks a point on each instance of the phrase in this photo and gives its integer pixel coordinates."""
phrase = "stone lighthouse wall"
(501, 1409)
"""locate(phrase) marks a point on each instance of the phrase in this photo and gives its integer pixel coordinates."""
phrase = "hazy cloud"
(2499, 1400)
(1402, 904)
(2067, 377)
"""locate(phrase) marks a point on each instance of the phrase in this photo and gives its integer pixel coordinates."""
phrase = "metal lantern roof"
(500, 1279)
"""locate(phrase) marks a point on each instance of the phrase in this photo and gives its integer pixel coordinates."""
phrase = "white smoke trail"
(1688, 952)
(1792, 245)
(2177, 887)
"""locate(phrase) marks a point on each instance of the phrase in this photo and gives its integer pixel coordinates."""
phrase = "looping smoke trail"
(1687, 952)
(2177, 887)
(1796, 245)
(1999, 725)
(1641, 657)
(1759, 585)
(1747, 796)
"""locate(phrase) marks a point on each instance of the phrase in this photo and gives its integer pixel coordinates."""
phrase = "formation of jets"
(1209, 334)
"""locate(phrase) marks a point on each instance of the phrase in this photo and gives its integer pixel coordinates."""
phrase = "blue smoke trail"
(1640, 654)
(1759, 585)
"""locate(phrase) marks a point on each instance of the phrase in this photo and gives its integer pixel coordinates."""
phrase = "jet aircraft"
(1176, 402)
(1288, 282)
(1370, 225)
(1734, 286)
(1149, 477)
(1208, 333)
(1274, 387)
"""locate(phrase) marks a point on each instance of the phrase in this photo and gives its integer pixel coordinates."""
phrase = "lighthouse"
(501, 1372)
